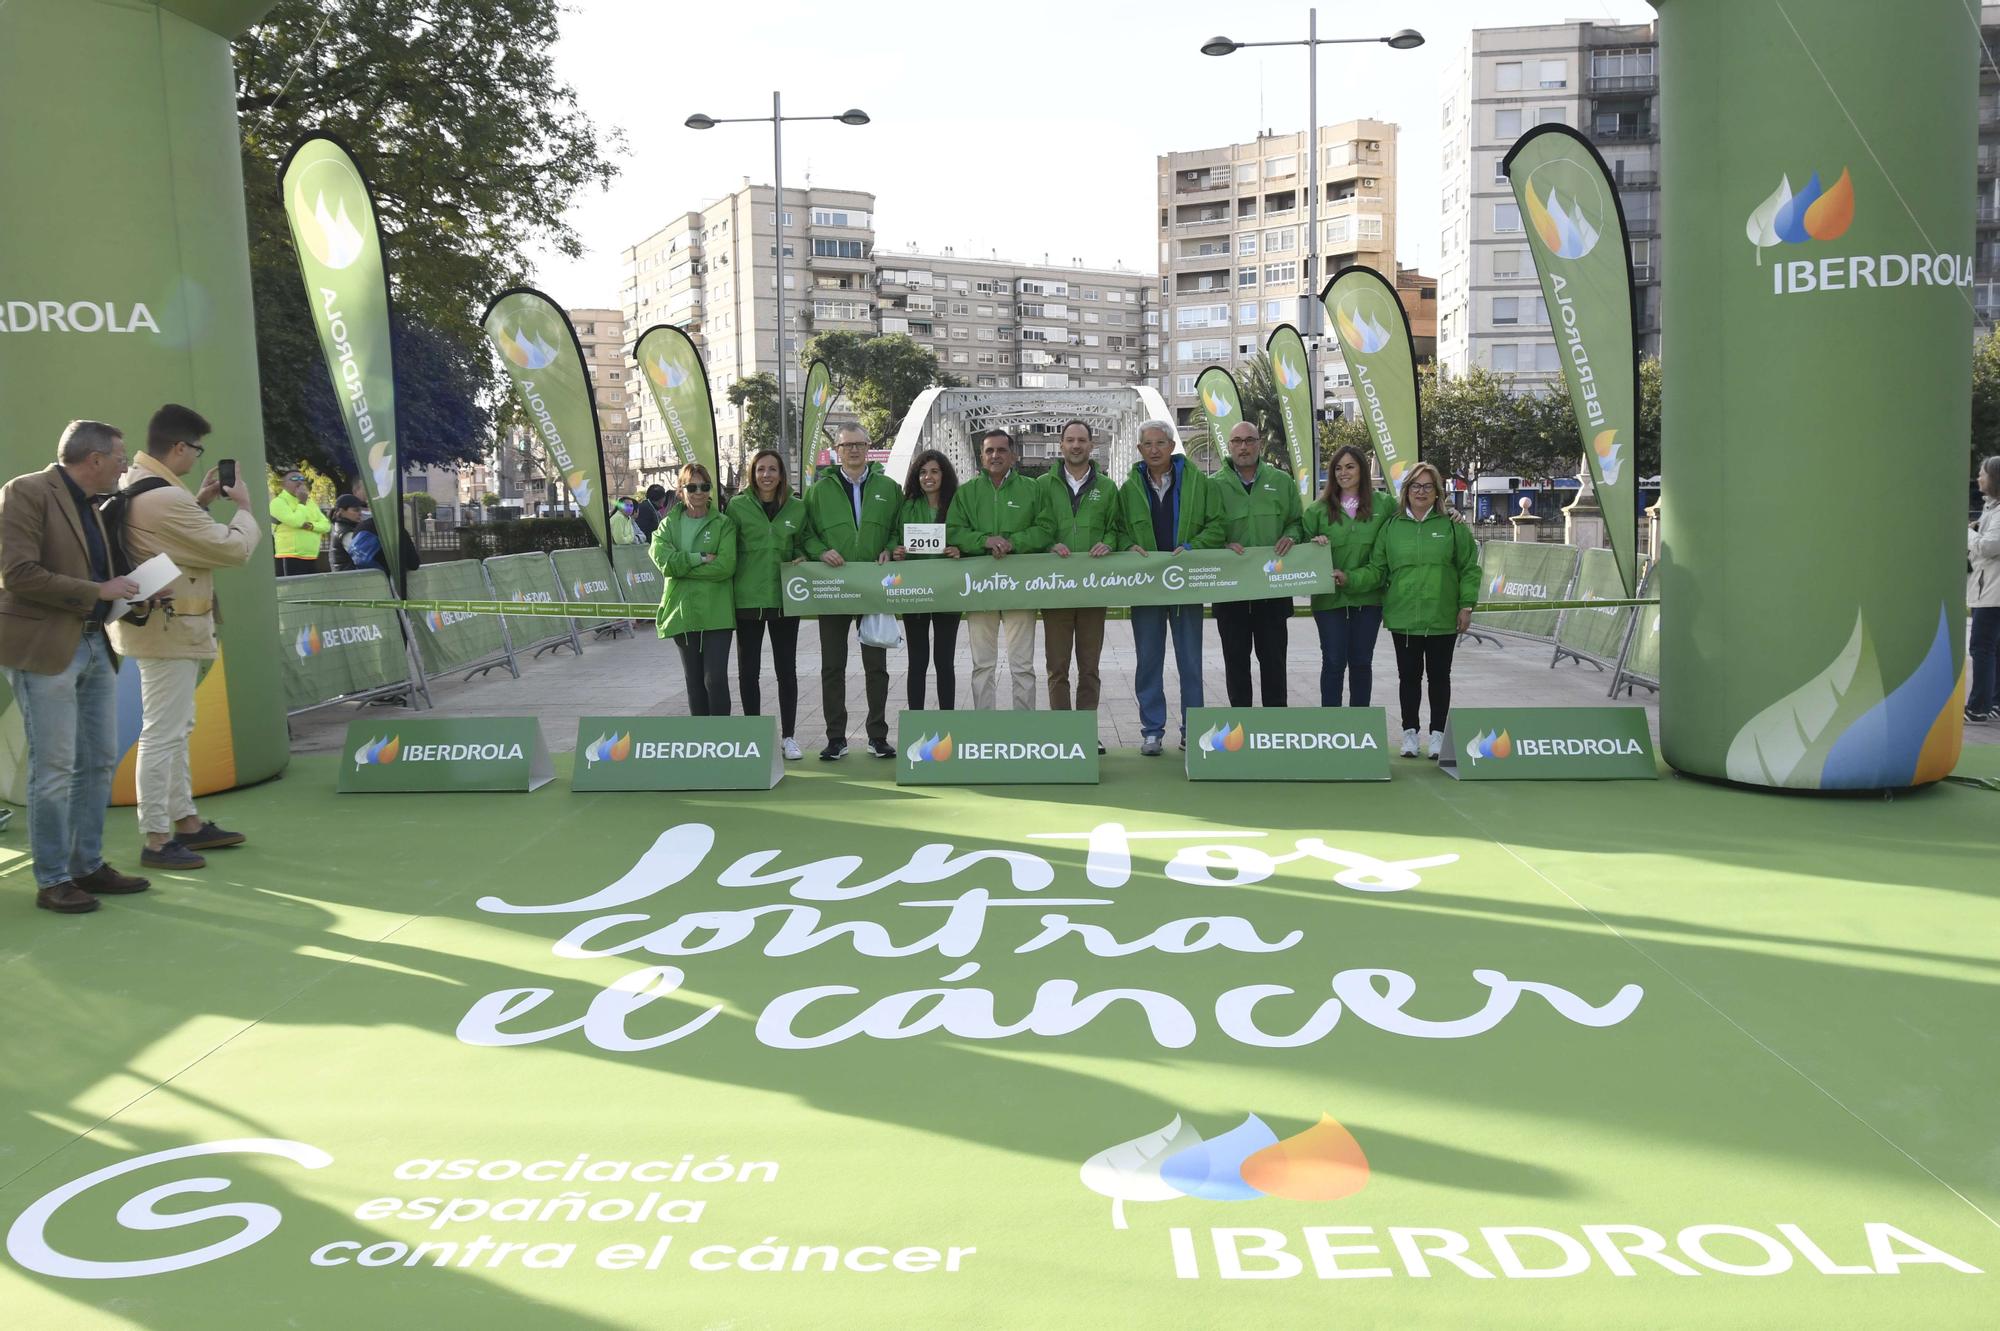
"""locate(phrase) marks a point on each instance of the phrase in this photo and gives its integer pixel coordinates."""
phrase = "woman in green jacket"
(1430, 567)
(770, 521)
(1346, 519)
(694, 548)
(927, 493)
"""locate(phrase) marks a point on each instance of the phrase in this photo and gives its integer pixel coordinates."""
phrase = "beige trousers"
(986, 627)
(166, 784)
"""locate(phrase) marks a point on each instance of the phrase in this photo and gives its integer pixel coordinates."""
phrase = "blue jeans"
(1150, 624)
(71, 721)
(1983, 690)
(1347, 647)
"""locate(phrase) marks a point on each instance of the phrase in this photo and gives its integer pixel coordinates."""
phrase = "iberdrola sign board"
(996, 748)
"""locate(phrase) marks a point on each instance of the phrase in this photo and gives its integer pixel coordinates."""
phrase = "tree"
(1259, 388)
(474, 150)
(1472, 423)
(757, 398)
(423, 505)
(1985, 397)
(881, 376)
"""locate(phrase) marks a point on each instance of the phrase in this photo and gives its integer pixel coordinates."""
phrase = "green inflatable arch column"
(125, 283)
(1817, 159)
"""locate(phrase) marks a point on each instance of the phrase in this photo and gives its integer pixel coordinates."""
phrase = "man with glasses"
(1260, 504)
(1164, 507)
(1000, 514)
(851, 515)
(297, 526)
(179, 635)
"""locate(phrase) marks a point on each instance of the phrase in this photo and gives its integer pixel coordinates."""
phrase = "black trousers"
(921, 632)
(834, 632)
(705, 659)
(784, 659)
(292, 567)
(1424, 658)
(1260, 626)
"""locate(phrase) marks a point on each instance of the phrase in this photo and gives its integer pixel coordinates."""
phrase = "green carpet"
(1756, 1012)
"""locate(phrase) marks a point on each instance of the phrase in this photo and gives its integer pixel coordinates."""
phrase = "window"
(960, 307)
(1368, 228)
(1506, 309)
(1246, 277)
(1506, 357)
(1201, 316)
(1280, 166)
(1339, 231)
(1555, 74)
(1507, 76)
(1506, 217)
(1274, 311)
(984, 334)
(1288, 271)
(959, 358)
(959, 333)
(1642, 258)
(1281, 242)
(1507, 123)
(832, 217)
(1246, 313)
(1506, 263)
(1549, 115)
(1621, 69)
(1545, 358)
(1006, 358)
(772, 217)
(986, 358)
(1184, 385)
(835, 249)
(1246, 244)
(985, 288)
(1087, 293)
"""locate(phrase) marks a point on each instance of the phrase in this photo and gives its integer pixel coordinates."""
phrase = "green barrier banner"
(452, 639)
(1374, 333)
(812, 415)
(585, 575)
(1548, 744)
(996, 748)
(539, 348)
(329, 652)
(1599, 631)
(1288, 744)
(1051, 582)
(1576, 231)
(673, 368)
(475, 753)
(1221, 407)
(1644, 658)
(530, 580)
(638, 579)
(1523, 571)
(1289, 368)
(332, 217)
(677, 753)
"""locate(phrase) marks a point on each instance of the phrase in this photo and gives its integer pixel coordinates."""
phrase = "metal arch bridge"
(951, 419)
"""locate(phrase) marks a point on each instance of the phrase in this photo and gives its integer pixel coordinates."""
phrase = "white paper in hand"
(153, 577)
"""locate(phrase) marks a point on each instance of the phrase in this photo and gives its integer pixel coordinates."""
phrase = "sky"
(1026, 128)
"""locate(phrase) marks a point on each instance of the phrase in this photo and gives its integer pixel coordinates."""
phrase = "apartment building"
(1235, 257)
(601, 332)
(1986, 241)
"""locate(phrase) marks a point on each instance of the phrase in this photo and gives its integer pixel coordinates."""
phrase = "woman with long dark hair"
(1347, 519)
(769, 521)
(927, 493)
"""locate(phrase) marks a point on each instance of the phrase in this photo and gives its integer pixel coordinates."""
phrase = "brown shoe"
(67, 899)
(104, 881)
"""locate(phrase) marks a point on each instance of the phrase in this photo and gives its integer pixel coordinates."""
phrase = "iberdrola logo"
(1610, 455)
(382, 468)
(435, 620)
(665, 373)
(378, 751)
(1274, 566)
(1289, 375)
(1324, 1163)
(893, 580)
(1359, 328)
(579, 485)
(638, 578)
(612, 748)
(1566, 207)
(822, 394)
(1489, 745)
(1813, 213)
(328, 231)
(930, 749)
(1493, 587)
(530, 350)
(1217, 405)
(308, 641)
(1222, 738)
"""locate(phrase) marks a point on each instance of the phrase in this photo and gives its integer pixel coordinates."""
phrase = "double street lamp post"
(776, 120)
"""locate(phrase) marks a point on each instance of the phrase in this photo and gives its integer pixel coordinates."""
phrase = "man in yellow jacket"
(297, 526)
(179, 634)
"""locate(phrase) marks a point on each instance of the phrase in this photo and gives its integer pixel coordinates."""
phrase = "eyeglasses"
(1422, 487)
(198, 448)
(296, 479)
(697, 488)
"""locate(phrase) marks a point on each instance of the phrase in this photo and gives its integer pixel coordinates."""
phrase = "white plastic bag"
(880, 631)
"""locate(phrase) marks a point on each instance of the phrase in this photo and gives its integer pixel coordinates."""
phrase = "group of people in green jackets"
(1403, 561)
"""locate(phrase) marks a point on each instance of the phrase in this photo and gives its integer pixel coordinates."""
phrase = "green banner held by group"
(1374, 333)
(332, 218)
(1576, 231)
(672, 365)
(1221, 408)
(812, 418)
(1289, 369)
(545, 361)
(1052, 582)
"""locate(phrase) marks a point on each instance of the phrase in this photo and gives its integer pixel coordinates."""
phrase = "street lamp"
(776, 120)
(1403, 40)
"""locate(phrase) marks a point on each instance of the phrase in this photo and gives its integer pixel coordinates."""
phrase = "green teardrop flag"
(1576, 231)
(332, 218)
(672, 366)
(1374, 333)
(545, 361)
(1289, 368)
(812, 413)
(1221, 408)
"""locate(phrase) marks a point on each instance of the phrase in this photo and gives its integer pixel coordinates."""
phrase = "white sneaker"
(1437, 743)
(1409, 743)
(792, 750)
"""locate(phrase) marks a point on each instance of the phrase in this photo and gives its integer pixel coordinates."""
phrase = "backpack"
(115, 510)
(364, 548)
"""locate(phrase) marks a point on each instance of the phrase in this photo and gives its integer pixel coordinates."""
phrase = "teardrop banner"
(1221, 408)
(545, 361)
(332, 216)
(1373, 328)
(812, 417)
(1289, 367)
(672, 365)
(1576, 231)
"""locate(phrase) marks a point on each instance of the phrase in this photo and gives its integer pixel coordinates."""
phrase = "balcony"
(1987, 214)
(1204, 250)
(1640, 133)
(1206, 286)
(1200, 184)
(1624, 82)
(1638, 180)
(1221, 221)
(1643, 272)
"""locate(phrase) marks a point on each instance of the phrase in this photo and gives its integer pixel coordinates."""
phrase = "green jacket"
(697, 592)
(764, 545)
(297, 526)
(1013, 510)
(1350, 541)
(830, 516)
(1093, 518)
(1261, 514)
(1201, 525)
(916, 510)
(623, 531)
(1431, 570)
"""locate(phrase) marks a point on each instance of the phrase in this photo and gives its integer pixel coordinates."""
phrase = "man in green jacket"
(999, 514)
(1165, 506)
(1261, 507)
(850, 516)
(1080, 504)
